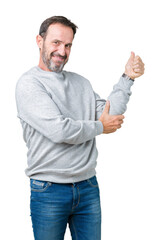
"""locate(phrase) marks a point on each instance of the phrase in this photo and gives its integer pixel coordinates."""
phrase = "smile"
(58, 58)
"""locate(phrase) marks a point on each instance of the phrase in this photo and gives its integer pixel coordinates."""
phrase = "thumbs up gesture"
(134, 67)
(110, 122)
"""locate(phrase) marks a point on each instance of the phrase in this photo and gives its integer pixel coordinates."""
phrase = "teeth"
(58, 57)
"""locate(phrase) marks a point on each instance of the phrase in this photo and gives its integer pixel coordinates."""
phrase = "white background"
(128, 167)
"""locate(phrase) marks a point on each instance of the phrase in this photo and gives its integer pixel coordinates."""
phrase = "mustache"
(58, 55)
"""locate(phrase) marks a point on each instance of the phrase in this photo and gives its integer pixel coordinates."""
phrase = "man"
(61, 115)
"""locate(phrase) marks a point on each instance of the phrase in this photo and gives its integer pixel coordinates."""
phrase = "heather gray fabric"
(59, 114)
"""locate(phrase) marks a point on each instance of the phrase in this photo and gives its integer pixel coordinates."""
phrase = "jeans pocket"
(39, 186)
(93, 182)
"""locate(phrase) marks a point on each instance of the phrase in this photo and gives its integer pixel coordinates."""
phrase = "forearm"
(36, 108)
(76, 132)
(120, 96)
(65, 130)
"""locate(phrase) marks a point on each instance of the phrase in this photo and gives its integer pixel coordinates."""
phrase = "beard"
(50, 64)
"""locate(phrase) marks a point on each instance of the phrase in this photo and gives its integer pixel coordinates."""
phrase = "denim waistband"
(72, 183)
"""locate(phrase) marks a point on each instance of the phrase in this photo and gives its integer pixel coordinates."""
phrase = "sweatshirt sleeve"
(118, 98)
(100, 105)
(36, 107)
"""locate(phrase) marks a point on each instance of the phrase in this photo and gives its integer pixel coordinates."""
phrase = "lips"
(58, 57)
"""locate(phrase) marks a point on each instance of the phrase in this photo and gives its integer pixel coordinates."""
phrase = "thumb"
(132, 56)
(107, 107)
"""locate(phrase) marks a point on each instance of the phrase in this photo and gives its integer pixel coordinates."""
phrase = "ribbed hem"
(64, 178)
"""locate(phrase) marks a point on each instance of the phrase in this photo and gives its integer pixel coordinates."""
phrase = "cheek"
(49, 49)
(68, 53)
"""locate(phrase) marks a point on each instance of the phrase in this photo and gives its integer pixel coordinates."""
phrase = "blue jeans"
(54, 205)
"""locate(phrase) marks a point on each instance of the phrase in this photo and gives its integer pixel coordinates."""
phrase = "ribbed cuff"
(127, 83)
(99, 129)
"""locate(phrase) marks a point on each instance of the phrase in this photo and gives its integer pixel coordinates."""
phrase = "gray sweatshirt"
(59, 115)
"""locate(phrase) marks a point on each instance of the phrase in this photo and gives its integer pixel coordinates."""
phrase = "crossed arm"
(36, 108)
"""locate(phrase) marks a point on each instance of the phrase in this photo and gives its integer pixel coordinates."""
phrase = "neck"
(43, 66)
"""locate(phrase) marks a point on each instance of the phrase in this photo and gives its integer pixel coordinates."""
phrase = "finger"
(120, 117)
(116, 127)
(136, 75)
(137, 67)
(117, 123)
(137, 58)
(120, 121)
(138, 64)
(107, 106)
(138, 70)
(110, 131)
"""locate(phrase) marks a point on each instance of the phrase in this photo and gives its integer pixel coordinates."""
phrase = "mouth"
(58, 57)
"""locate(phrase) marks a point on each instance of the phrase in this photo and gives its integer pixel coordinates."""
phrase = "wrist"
(127, 77)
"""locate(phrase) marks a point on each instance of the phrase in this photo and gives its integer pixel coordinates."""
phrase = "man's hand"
(110, 122)
(134, 67)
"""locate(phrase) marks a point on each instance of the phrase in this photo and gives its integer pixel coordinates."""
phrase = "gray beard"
(51, 65)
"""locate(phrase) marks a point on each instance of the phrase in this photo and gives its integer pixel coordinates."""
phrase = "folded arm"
(36, 108)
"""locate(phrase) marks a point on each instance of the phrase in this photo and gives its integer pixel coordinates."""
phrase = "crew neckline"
(48, 72)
